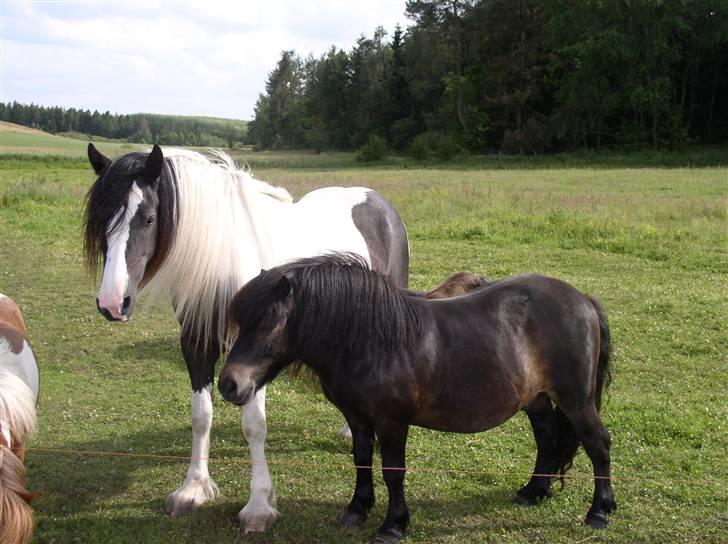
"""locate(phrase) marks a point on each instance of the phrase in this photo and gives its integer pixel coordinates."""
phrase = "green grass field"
(651, 243)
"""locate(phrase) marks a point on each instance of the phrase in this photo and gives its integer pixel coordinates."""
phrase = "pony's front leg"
(198, 487)
(393, 442)
(260, 513)
(356, 512)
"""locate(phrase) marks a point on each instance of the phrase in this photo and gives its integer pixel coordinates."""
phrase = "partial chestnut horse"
(18, 395)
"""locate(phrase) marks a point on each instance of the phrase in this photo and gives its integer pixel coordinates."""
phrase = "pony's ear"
(283, 288)
(153, 166)
(98, 161)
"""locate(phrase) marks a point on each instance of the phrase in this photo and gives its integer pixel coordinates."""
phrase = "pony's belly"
(466, 420)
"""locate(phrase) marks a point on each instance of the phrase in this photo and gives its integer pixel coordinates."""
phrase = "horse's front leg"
(356, 512)
(198, 487)
(260, 513)
(393, 442)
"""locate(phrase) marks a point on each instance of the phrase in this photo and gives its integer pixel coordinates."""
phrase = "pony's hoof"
(190, 497)
(524, 500)
(352, 519)
(390, 536)
(596, 520)
(257, 520)
(529, 497)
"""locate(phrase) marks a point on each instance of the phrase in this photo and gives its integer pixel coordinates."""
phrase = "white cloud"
(196, 58)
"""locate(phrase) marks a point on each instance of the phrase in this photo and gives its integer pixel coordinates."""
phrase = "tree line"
(138, 127)
(515, 76)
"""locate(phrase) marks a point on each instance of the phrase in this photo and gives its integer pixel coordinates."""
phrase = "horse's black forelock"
(110, 192)
(340, 305)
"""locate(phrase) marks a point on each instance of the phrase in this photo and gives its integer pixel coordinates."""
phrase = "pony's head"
(129, 224)
(319, 310)
(260, 310)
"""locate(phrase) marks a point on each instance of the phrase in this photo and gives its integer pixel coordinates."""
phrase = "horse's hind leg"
(542, 417)
(596, 441)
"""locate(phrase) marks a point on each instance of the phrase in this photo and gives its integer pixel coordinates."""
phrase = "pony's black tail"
(604, 369)
(567, 442)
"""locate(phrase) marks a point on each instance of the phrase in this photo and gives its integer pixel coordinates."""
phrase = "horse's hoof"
(257, 522)
(596, 520)
(390, 536)
(352, 519)
(345, 433)
(190, 497)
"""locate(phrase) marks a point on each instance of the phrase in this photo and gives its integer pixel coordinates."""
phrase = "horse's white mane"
(219, 242)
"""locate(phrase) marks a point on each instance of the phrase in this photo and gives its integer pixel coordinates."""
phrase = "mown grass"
(651, 243)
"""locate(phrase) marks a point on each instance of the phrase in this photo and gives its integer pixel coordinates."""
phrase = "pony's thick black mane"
(337, 299)
(110, 192)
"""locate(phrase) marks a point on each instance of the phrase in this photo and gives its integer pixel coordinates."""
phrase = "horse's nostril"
(125, 305)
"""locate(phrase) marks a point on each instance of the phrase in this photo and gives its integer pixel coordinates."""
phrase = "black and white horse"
(196, 230)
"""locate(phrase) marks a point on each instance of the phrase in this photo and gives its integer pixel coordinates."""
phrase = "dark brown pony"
(388, 359)
(18, 395)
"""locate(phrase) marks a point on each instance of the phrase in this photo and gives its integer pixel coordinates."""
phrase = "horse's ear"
(98, 161)
(283, 288)
(153, 166)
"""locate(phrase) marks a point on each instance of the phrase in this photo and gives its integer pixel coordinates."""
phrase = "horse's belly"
(21, 364)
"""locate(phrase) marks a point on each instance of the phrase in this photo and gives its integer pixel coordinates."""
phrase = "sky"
(187, 57)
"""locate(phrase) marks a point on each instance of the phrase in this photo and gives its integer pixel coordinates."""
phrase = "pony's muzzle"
(235, 386)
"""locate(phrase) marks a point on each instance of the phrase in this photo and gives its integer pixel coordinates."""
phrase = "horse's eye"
(151, 219)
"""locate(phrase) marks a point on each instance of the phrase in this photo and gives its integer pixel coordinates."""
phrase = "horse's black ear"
(283, 288)
(153, 166)
(98, 161)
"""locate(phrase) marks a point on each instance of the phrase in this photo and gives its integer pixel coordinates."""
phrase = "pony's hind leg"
(357, 511)
(543, 422)
(596, 441)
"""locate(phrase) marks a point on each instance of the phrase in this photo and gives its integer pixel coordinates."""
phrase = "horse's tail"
(17, 419)
(567, 442)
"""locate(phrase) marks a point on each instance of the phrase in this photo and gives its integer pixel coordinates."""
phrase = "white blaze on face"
(116, 276)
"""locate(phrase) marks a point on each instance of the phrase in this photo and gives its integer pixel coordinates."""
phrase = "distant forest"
(139, 127)
(512, 76)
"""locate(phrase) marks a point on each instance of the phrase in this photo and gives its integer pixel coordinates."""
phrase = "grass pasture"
(650, 243)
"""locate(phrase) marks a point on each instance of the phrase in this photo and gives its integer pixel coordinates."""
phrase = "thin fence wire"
(411, 469)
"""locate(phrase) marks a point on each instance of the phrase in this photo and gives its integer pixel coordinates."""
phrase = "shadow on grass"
(165, 348)
(122, 497)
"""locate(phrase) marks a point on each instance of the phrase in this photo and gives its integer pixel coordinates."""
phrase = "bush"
(420, 147)
(441, 145)
(374, 150)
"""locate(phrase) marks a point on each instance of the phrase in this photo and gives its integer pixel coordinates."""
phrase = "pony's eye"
(151, 219)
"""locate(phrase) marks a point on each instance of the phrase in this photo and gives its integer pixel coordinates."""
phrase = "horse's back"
(348, 219)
